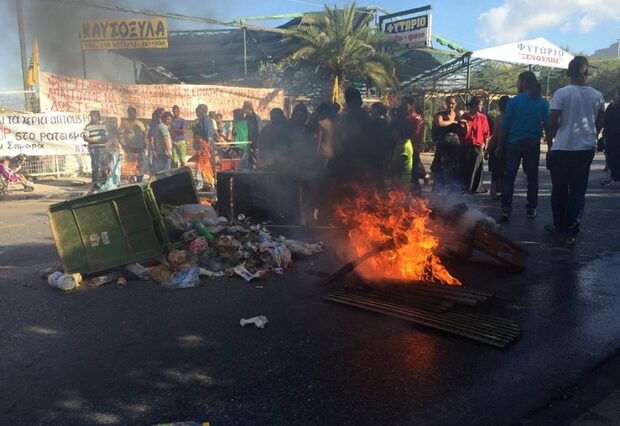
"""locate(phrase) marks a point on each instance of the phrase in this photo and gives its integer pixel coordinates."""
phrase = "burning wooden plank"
(372, 219)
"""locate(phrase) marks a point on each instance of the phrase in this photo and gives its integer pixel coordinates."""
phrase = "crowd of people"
(371, 145)
(376, 145)
(161, 144)
(366, 145)
(570, 124)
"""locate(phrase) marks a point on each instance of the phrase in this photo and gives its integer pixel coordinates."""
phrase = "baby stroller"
(9, 178)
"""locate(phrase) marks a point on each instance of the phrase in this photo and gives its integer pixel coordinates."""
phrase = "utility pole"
(245, 52)
(468, 83)
(22, 41)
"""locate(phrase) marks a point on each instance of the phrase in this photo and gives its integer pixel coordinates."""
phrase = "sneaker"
(531, 213)
(614, 184)
(570, 239)
(505, 216)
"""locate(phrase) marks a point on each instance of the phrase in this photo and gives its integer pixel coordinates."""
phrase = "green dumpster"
(118, 227)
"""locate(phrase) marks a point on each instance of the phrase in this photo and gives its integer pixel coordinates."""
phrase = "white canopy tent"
(538, 51)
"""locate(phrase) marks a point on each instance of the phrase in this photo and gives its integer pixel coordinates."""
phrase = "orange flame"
(401, 221)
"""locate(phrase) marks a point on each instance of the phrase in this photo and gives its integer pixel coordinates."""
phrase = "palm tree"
(340, 45)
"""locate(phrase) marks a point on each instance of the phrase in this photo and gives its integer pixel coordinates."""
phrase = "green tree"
(338, 43)
(605, 77)
(496, 76)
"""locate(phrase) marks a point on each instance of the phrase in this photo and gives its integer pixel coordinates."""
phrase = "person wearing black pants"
(577, 113)
(473, 142)
(611, 133)
(569, 176)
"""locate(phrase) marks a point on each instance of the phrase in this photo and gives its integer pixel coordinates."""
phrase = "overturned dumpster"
(125, 225)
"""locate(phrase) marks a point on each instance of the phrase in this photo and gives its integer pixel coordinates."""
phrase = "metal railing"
(57, 165)
(19, 100)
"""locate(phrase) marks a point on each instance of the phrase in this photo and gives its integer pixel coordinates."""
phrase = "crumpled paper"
(259, 321)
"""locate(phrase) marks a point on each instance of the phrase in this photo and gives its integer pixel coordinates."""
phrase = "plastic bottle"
(201, 229)
(64, 282)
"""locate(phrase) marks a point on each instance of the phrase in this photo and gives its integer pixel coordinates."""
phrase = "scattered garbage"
(104, 279)
(275, 254)
(46, 272)
(138, 271)
(205, 246)
(178, 217)
(201, 229)
(64, 282)
(245, 274)
(198, 246)
(206, 273)
(121, 282)
(179, 259)
(185, 278)
(301, 247)
(161, 273)
(259, 321)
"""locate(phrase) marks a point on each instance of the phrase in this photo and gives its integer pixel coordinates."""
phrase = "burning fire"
(397, 222)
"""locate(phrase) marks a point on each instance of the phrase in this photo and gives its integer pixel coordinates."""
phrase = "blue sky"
(582, 25)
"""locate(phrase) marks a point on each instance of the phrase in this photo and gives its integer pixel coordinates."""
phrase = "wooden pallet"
(484, 244)
(500, 248)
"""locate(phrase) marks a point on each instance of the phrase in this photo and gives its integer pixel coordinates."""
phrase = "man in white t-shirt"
(577, 113)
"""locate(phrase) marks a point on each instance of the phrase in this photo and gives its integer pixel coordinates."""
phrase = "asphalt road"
(145, 355)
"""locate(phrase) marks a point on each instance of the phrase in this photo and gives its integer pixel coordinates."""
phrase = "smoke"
(57, 27)
(462, 216)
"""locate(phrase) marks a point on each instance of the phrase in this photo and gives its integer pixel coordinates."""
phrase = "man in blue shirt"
(526, 116)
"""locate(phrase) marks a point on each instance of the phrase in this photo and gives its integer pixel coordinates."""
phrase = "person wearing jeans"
(528, 150)
(577, 114)
(525, 118)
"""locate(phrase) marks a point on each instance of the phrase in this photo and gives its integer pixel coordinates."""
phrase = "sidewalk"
(50, 188)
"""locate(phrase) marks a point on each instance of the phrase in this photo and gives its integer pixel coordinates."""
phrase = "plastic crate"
(227, 164)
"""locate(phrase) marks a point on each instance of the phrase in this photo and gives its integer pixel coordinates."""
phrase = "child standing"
(402, 163)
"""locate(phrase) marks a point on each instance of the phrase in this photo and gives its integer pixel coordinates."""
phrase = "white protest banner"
(42, 134)
(69, 94)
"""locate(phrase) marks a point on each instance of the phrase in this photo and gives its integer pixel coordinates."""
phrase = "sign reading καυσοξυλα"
(124, 34)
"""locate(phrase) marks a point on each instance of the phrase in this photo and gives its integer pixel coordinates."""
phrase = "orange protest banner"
(69, 94)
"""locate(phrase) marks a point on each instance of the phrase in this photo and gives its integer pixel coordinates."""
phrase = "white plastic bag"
(188, 213)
